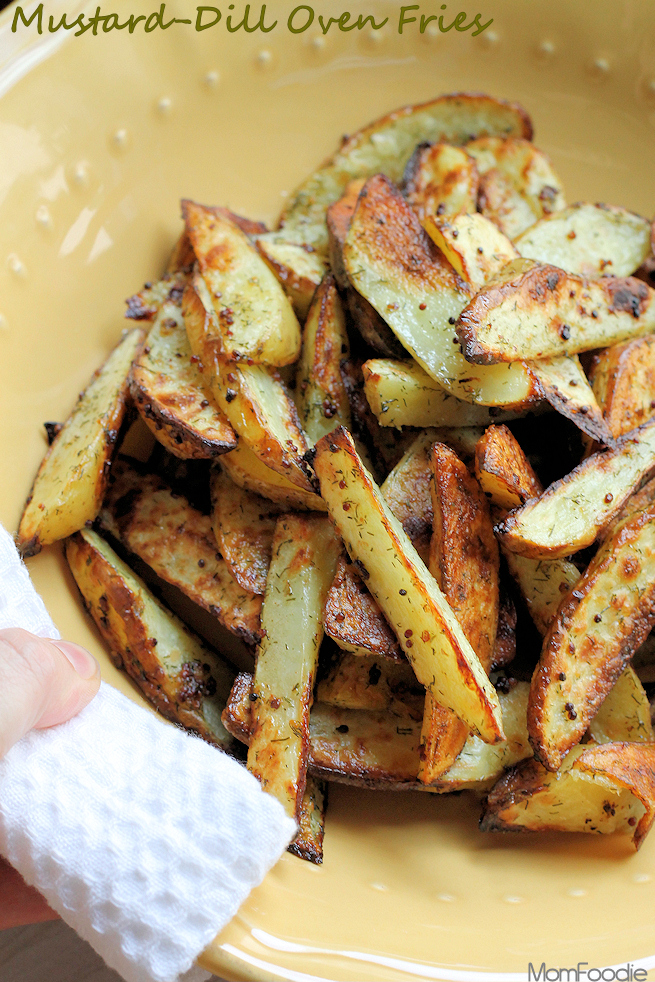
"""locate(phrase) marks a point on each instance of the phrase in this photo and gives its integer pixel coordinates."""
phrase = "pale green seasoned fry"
(304, 557)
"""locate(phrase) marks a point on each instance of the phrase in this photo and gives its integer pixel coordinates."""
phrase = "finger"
(42, 683)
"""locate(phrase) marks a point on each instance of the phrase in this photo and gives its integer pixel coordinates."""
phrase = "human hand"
(42, 683)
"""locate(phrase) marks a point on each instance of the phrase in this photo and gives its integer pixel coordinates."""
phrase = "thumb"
(42, 683)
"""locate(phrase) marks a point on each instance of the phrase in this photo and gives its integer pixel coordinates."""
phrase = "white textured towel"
(144, 839)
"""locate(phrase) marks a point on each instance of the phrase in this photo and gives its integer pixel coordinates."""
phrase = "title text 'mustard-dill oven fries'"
(408, 353)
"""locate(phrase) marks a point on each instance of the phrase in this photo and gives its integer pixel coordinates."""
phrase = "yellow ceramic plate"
(100, 136)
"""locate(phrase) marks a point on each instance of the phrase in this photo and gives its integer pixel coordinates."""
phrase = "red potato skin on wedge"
(600, 624)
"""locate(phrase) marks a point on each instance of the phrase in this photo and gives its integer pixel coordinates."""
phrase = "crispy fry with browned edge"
(252, 397)
(251, 473)
(254, 318)
(532, 311)
(353, 619)
(624, 713)
(478, 251)
(169, 392)
(623, 380)
(366, 682)
(386, 145)
(598, 628)
(464, 561)
(308, 843)
(590, 240)
(400, 393)
(244, 524)
(598, 789)
(179, 674)
(322, 398)
(380, 749)
(298, 269)
(434, 643)
(394, 264)
(178, 543)
(304, 556)
(367, 320)
(572, 512)
(71, 481)
(441, 179)
(504, 472)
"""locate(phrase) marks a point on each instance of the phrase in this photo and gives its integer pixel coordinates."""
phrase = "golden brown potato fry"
(178, 543)
(624, 713)
(254, 319)
(507, 478)
(70, 483)
(400, 393)
(144, 306)
(532, 311)
(366, 682)
(243, 524)
(298, 270)
(464, 561)
(623, 380)
(421, 300)
(505, 646)
(183, 257)
(436, 646)
(252, 397)
(168, 389)
(386, 145)
(598, 789)
(186, 681)
(252, 474)
(321, 393)
(565, 387)
(571, 513)
(598, 628)
(441, 179)
(304, 557)
(590, 240)
(380, 749)
(353, 619)
(365, 318)
(308, 843)
(518, 184)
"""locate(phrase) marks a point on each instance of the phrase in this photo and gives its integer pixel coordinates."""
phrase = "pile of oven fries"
(376, 531)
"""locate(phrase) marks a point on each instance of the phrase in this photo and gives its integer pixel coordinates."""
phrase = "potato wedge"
(298, 269)
(71, 481)
(254, 318)
(366, 682)
(178, 543)
(505, 647)
(508, 480)
(518, 184)
(442, 658)
(421, 297)
(182, 258)
(145, 305)
(186, 681)
(598, 627)
(252, 474)
(308, 843)
(169, 392)
(603, 789)
(386, 145)
(380, 749)
(400, 393)
(322, 398)
(353, 619)
(464, 561)
(305, 551)
(244, 524)
(441, 179)
(365, 318)
(533, 311)
(252, 397)
(624, 714)
(478, 251)
(623, 380)
(590, 240)
(571, 513)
